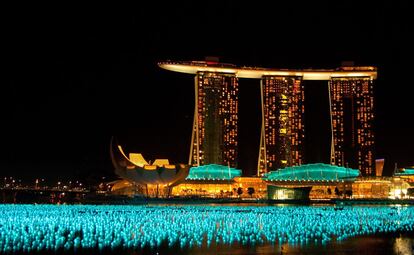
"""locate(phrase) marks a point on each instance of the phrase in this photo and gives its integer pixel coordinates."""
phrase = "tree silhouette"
(348, 193)
(250, 191)
(239, 191)
(336, 191)
(410, 192)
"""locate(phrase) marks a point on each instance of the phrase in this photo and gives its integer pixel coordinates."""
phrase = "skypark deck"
(192, 67)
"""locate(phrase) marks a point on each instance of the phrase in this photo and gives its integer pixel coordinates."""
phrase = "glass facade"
(282, 138)
(352, 119)
(214, 138)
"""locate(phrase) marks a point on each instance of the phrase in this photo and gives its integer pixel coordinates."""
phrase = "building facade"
(352, 119)
(214, 136)
(283, 131)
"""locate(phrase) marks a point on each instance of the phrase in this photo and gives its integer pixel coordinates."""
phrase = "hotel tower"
(352, 119)
(214, 135)
(283, 131)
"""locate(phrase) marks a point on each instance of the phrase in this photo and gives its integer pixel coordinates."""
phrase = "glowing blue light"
(213, 172)
(33, 228)
(406, 172)
(313, 172)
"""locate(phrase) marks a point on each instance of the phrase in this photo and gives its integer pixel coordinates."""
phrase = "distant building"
(217, 181)
(406, 174)
(373, 188)
(379, 167)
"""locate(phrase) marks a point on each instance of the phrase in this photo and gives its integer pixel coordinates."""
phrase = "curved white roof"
(257, 73)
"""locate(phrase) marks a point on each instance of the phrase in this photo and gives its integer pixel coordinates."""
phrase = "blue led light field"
(26, 228)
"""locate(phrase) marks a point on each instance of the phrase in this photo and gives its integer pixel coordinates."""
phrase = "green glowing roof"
(312, 172)
(213, 172)
(406, 171)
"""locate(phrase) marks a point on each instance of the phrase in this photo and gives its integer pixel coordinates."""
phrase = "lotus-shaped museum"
(160, 175)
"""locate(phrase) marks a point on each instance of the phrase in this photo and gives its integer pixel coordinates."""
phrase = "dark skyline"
(75, 78)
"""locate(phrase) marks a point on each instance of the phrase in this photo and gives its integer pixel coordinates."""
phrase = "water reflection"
(370, 245)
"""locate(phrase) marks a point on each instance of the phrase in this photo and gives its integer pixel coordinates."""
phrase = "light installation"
(77, 228)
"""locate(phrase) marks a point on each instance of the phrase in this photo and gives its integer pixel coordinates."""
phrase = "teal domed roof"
(312, 172)
(213, 172)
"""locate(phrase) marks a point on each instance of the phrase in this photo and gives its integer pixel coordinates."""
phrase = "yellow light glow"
(123, 154)
(161, 162)
(150, 167)
(137, 159)
(258, 73)
(122, 151)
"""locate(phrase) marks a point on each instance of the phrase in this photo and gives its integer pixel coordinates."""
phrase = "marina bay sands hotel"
(214, 136)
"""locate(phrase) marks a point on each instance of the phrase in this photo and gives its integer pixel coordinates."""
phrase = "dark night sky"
(73, 78)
